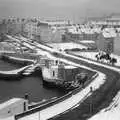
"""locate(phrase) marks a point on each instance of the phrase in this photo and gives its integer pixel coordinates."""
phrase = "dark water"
(18, 88)
(7, 66)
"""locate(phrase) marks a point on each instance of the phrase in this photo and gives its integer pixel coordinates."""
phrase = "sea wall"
(53, 102)
(14, 74)
(15, 60)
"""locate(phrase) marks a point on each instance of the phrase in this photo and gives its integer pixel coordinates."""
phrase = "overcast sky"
(57, 8)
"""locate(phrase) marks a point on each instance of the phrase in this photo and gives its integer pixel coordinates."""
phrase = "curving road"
(100, 98)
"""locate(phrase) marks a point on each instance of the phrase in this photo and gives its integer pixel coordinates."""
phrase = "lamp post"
(91, 109)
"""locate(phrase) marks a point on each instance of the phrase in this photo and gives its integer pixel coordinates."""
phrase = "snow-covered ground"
(70, 102)
(64, 46)
(73, 100)
(87, 41)
(7, 46)
(110, 113)
(56, 109)
(15, 71)
(113, 111)
(91, 55)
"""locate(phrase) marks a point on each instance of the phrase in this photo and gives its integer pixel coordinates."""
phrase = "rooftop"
(66, 67)
(109, 34)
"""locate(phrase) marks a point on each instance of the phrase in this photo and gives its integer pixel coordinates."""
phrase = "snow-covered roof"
(85, 30)
(109, 34)
(87, 41)
(66, 67)
(70, 67)
(74, 31)
(69, 45)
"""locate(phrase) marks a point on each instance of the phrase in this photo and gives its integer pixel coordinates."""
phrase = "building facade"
(105, 43)
(67, 36)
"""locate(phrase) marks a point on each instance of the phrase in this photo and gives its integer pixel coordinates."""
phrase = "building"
(79, 34)
(105, 42)
(32, 30)
(112, 20)
(58, 23)
(42, 32)
(56, 72)
(45, 32)
(117, 44)
(3, 27)
(11, 26)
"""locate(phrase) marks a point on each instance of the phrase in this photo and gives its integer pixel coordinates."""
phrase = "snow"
(69, 103)
(66, 66)
(47, 54)
(11, 101)
(46, 73)
(91, 55)
(64, 46)
(74, 64)
(14, 71)
(8, 118)
(109, 34)
(21, 59)
(69, 67)
(74, 100)
(93, 62)
(42, 46)
(29, 46)
(13, 38)
(87, 41)
(110, 113)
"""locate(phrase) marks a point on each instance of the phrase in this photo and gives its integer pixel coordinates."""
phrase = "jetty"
(14, 74)
(29, 67)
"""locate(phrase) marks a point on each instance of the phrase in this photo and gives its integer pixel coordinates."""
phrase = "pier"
(28, 67)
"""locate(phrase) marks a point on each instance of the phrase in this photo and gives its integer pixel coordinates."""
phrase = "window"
(53, 73)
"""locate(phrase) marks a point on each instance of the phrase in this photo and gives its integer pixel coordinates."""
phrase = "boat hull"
(64, 86)
(51, 82)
